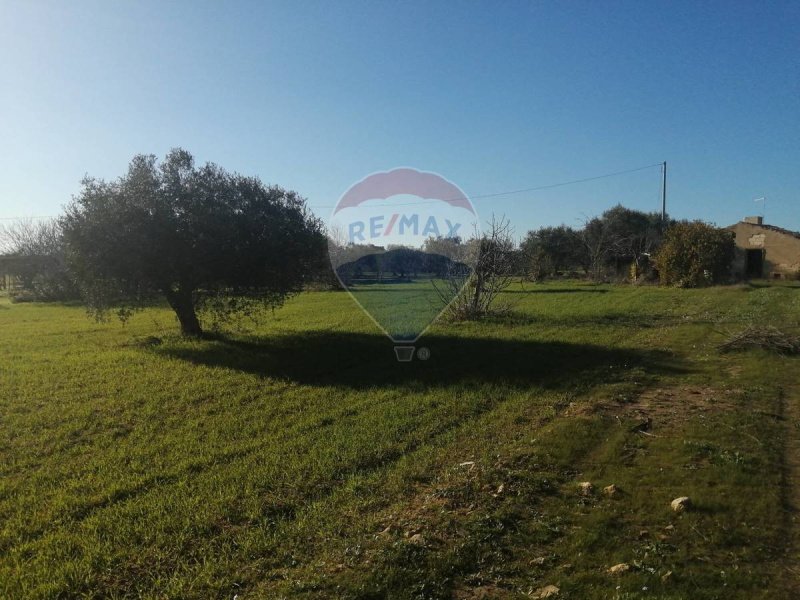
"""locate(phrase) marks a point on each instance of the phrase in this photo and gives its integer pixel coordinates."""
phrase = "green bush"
(695, 254)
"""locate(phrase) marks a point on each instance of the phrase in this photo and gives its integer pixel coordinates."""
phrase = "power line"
(555, 185)
(523, 190)
(478, 197)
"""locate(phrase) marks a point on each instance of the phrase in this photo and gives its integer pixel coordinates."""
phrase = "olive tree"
(550, 250)
(202, 238)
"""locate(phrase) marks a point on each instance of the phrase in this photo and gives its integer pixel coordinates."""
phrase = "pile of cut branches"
(766, 337)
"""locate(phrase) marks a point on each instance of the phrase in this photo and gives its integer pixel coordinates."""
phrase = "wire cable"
(477, 197)
(518, 191)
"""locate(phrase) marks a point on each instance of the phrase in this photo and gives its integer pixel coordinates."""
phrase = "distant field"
(298, 459)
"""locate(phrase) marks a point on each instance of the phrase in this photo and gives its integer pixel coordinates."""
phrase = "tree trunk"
(181, 303)
(476, 298)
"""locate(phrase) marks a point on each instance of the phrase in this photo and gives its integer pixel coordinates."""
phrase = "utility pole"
(664, 193)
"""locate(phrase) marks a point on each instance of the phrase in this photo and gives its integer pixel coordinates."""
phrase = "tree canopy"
(695, 254)
(550, 250)
(35, 253)
(605, 244)
(203, 238)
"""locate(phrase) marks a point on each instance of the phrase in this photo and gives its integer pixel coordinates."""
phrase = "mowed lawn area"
(297, 459)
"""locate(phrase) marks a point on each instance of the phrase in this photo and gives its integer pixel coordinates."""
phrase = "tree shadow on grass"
(565, 290)
(610, 319)
(360, 361)
(421, 282)
(781, 283)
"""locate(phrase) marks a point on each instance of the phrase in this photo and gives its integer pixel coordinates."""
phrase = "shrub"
(695, 254)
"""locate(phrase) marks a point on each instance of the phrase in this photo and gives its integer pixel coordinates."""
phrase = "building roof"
(774, 228)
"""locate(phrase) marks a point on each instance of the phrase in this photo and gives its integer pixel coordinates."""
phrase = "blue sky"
(494, 96)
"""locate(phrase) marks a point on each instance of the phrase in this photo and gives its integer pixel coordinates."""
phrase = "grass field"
(402, 310)
(298, 459)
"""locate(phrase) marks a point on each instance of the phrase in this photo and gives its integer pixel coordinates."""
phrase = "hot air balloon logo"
(398, 244)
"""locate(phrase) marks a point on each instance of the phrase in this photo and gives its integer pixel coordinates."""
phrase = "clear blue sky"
(494, 96)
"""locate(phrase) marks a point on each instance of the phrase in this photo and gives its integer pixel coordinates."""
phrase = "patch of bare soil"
(664, 407)
(484, 592)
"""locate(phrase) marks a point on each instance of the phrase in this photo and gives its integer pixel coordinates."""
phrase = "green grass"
(402, 310)
(296, 458)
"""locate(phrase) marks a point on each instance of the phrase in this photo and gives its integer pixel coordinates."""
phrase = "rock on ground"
(681, 504)
(620, 569)
(548, 591)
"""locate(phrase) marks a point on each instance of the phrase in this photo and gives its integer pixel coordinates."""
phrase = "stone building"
(765, 251)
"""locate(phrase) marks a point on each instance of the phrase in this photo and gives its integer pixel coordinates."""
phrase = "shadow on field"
(611, 319)
(366, 285)
(762, 284)
(586, 290)
(358, 360)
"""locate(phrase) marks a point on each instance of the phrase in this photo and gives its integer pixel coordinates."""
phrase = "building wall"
(781, 250)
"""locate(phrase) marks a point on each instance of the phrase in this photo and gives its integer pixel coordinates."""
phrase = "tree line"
(629, 245)
(619, 245)
(214, 243)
